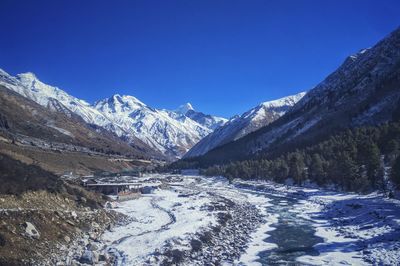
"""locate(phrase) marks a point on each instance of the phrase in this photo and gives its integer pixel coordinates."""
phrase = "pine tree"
(371, 159)
(296, 167)
(345, 170)
(316, 170)
(396, 172)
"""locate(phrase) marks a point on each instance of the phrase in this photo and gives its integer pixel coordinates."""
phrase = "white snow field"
(195, 220)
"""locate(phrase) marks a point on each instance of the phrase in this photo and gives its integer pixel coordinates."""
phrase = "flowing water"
(293, 235)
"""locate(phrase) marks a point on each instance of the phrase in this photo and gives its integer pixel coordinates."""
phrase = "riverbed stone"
(31, 231)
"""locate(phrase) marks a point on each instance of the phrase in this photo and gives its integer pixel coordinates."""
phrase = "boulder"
(87, 257)
(31, 231)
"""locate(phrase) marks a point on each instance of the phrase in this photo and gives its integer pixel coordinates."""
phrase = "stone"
(31, 231)
(103, 257)
(87, 257)
(95, 225)
(92, 236)
(67, 239)
(74, 215)
(95, 256)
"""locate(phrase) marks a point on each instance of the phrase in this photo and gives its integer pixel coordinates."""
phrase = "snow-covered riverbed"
(195, 220)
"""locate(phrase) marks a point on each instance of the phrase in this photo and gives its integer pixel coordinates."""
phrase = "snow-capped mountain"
(171, 133)
(209, 121)
(364, 90)
(28, 85)
(26, 122)
(250, 121)
(167, 131)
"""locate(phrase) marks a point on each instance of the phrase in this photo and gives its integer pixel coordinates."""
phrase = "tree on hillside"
(296, 167)
(370, 157)
(280, 170)
(316, 169)
(344, 171)
(396, 172)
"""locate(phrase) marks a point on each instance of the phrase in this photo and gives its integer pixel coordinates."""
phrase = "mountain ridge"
(167, 132)
(239, 126)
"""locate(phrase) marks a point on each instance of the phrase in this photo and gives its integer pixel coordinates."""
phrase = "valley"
(291, 156)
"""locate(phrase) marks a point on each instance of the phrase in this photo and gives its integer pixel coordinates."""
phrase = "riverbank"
(355, 229)
(189, 222)
(196, 220)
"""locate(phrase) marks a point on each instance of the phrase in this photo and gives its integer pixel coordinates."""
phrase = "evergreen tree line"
(359, 159)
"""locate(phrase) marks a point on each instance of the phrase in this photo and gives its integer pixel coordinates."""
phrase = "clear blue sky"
(222, 56)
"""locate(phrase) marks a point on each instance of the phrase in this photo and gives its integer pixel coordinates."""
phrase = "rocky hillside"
(248, 122)
(46, 220)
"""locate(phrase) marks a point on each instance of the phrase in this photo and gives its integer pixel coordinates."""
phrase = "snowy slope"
(248, 122)
(171, 133)
(28, 85)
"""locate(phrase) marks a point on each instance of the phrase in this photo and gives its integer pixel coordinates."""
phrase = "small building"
(114, 188)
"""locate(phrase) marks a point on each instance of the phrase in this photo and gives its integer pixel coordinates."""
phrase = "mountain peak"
(119, 104)
(27, 76)
(184, 108)
(123, 99)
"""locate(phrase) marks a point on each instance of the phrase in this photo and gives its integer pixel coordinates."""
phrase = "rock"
(108, 205)
(91, 247)
(31, 231)
(102, 257)
(87, 257)
(83, 242)
(74, 215)
(75, 263)
(67, 239)
(95, 256)
(2, 241)
(92, 236)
